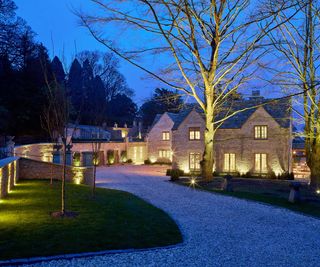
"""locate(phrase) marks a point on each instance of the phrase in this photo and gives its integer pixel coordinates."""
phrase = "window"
(165, 136)
(194, 161)
(261, 132)
(260, 164)
(164, 153)
(194, 133)
(229, 162)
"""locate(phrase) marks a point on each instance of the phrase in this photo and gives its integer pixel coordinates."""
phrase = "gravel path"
(217, 230)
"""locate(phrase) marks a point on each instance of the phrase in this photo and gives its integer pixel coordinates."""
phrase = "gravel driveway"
(217, 230)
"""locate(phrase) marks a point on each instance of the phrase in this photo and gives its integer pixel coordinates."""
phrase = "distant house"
(257, 140)
(87, 132)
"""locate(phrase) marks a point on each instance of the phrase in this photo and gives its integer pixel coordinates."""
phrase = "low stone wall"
(9, 175)
(40, 152)
(33, 169)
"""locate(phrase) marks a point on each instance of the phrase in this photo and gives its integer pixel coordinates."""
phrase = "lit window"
(260, 164)
(164, 153)
(194, 161)
(165, 136)
(261, 132)
(229, 162)
(194, 133)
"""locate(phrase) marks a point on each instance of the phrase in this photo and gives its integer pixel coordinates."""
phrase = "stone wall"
(238, 141)
(9, 175)
(40, 152)
(32, 169)
(136, 151)
(182, 146)
(155, 142)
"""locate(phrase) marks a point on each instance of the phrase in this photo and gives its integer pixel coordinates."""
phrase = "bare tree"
(297, 41)
(106, 66)
(210, 48)
(55, 119)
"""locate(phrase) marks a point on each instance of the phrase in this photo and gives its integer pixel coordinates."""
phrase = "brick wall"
(41, 152)
(32, 169)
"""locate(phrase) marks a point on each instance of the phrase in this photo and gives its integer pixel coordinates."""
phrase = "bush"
(175, 174)
(247, 175)
(76, 159)
(110, 157)
(129, 161)
(271, 175)
(147, 162)
(123, 156)
(173, 171)
(286, 176)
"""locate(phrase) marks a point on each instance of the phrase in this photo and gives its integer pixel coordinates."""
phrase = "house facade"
(257, 140)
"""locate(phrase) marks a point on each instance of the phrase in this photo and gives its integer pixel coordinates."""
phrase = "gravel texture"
(217, 230)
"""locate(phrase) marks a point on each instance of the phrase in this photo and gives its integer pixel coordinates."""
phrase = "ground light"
(318, 191)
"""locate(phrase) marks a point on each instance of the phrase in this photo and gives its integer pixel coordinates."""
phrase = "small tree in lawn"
(210, 48)
(55, 120)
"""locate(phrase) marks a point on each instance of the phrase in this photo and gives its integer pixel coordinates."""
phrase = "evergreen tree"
(57, 70)
(163, 100)
(75, 88)
(121, 109)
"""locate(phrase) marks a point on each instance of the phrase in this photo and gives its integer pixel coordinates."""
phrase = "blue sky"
(58, 29)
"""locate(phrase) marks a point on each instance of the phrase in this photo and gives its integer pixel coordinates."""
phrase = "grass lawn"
(273, 192)
(113, 220)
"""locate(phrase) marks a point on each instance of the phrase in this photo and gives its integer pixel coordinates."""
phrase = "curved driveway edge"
(218, 230)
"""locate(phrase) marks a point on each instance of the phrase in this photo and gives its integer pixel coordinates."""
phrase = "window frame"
(194, 130)
(195, 154)
(166, 151)
(260, 160)
(164, 135)
(260, 127)
(229, 161)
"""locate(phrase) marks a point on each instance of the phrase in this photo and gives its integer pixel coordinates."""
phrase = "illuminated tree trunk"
(208, 154)
(314, 165)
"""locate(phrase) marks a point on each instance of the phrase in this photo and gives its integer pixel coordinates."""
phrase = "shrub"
(286, 176)
(76, 159)
(247, 175)
(168, 172)
(129, 161)
(175, 174)
(123, 156)
(174, 171)
(147, 162)
(110, 157)
(271, 175)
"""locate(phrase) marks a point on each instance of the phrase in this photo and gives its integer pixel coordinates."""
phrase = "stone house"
(257, 140)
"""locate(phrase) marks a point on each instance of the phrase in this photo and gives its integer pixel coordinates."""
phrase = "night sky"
(58, 29)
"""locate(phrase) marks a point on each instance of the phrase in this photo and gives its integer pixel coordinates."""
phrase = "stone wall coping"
(26, 145)
(7, 161)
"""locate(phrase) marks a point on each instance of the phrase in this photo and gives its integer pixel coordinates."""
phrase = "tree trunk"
(63, 190)
(94, 180)
(208, 157)
(314, 165)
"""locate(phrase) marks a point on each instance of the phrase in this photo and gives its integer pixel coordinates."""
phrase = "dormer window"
(261, 132)
(165, 136)
(194, 133)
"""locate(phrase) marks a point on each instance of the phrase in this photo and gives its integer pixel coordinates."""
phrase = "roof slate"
(280, 110)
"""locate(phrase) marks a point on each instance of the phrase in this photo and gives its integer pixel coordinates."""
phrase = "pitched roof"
(278, 109)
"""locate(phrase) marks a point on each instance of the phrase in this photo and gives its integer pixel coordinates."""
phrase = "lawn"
(113, 220)
(273, 192)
